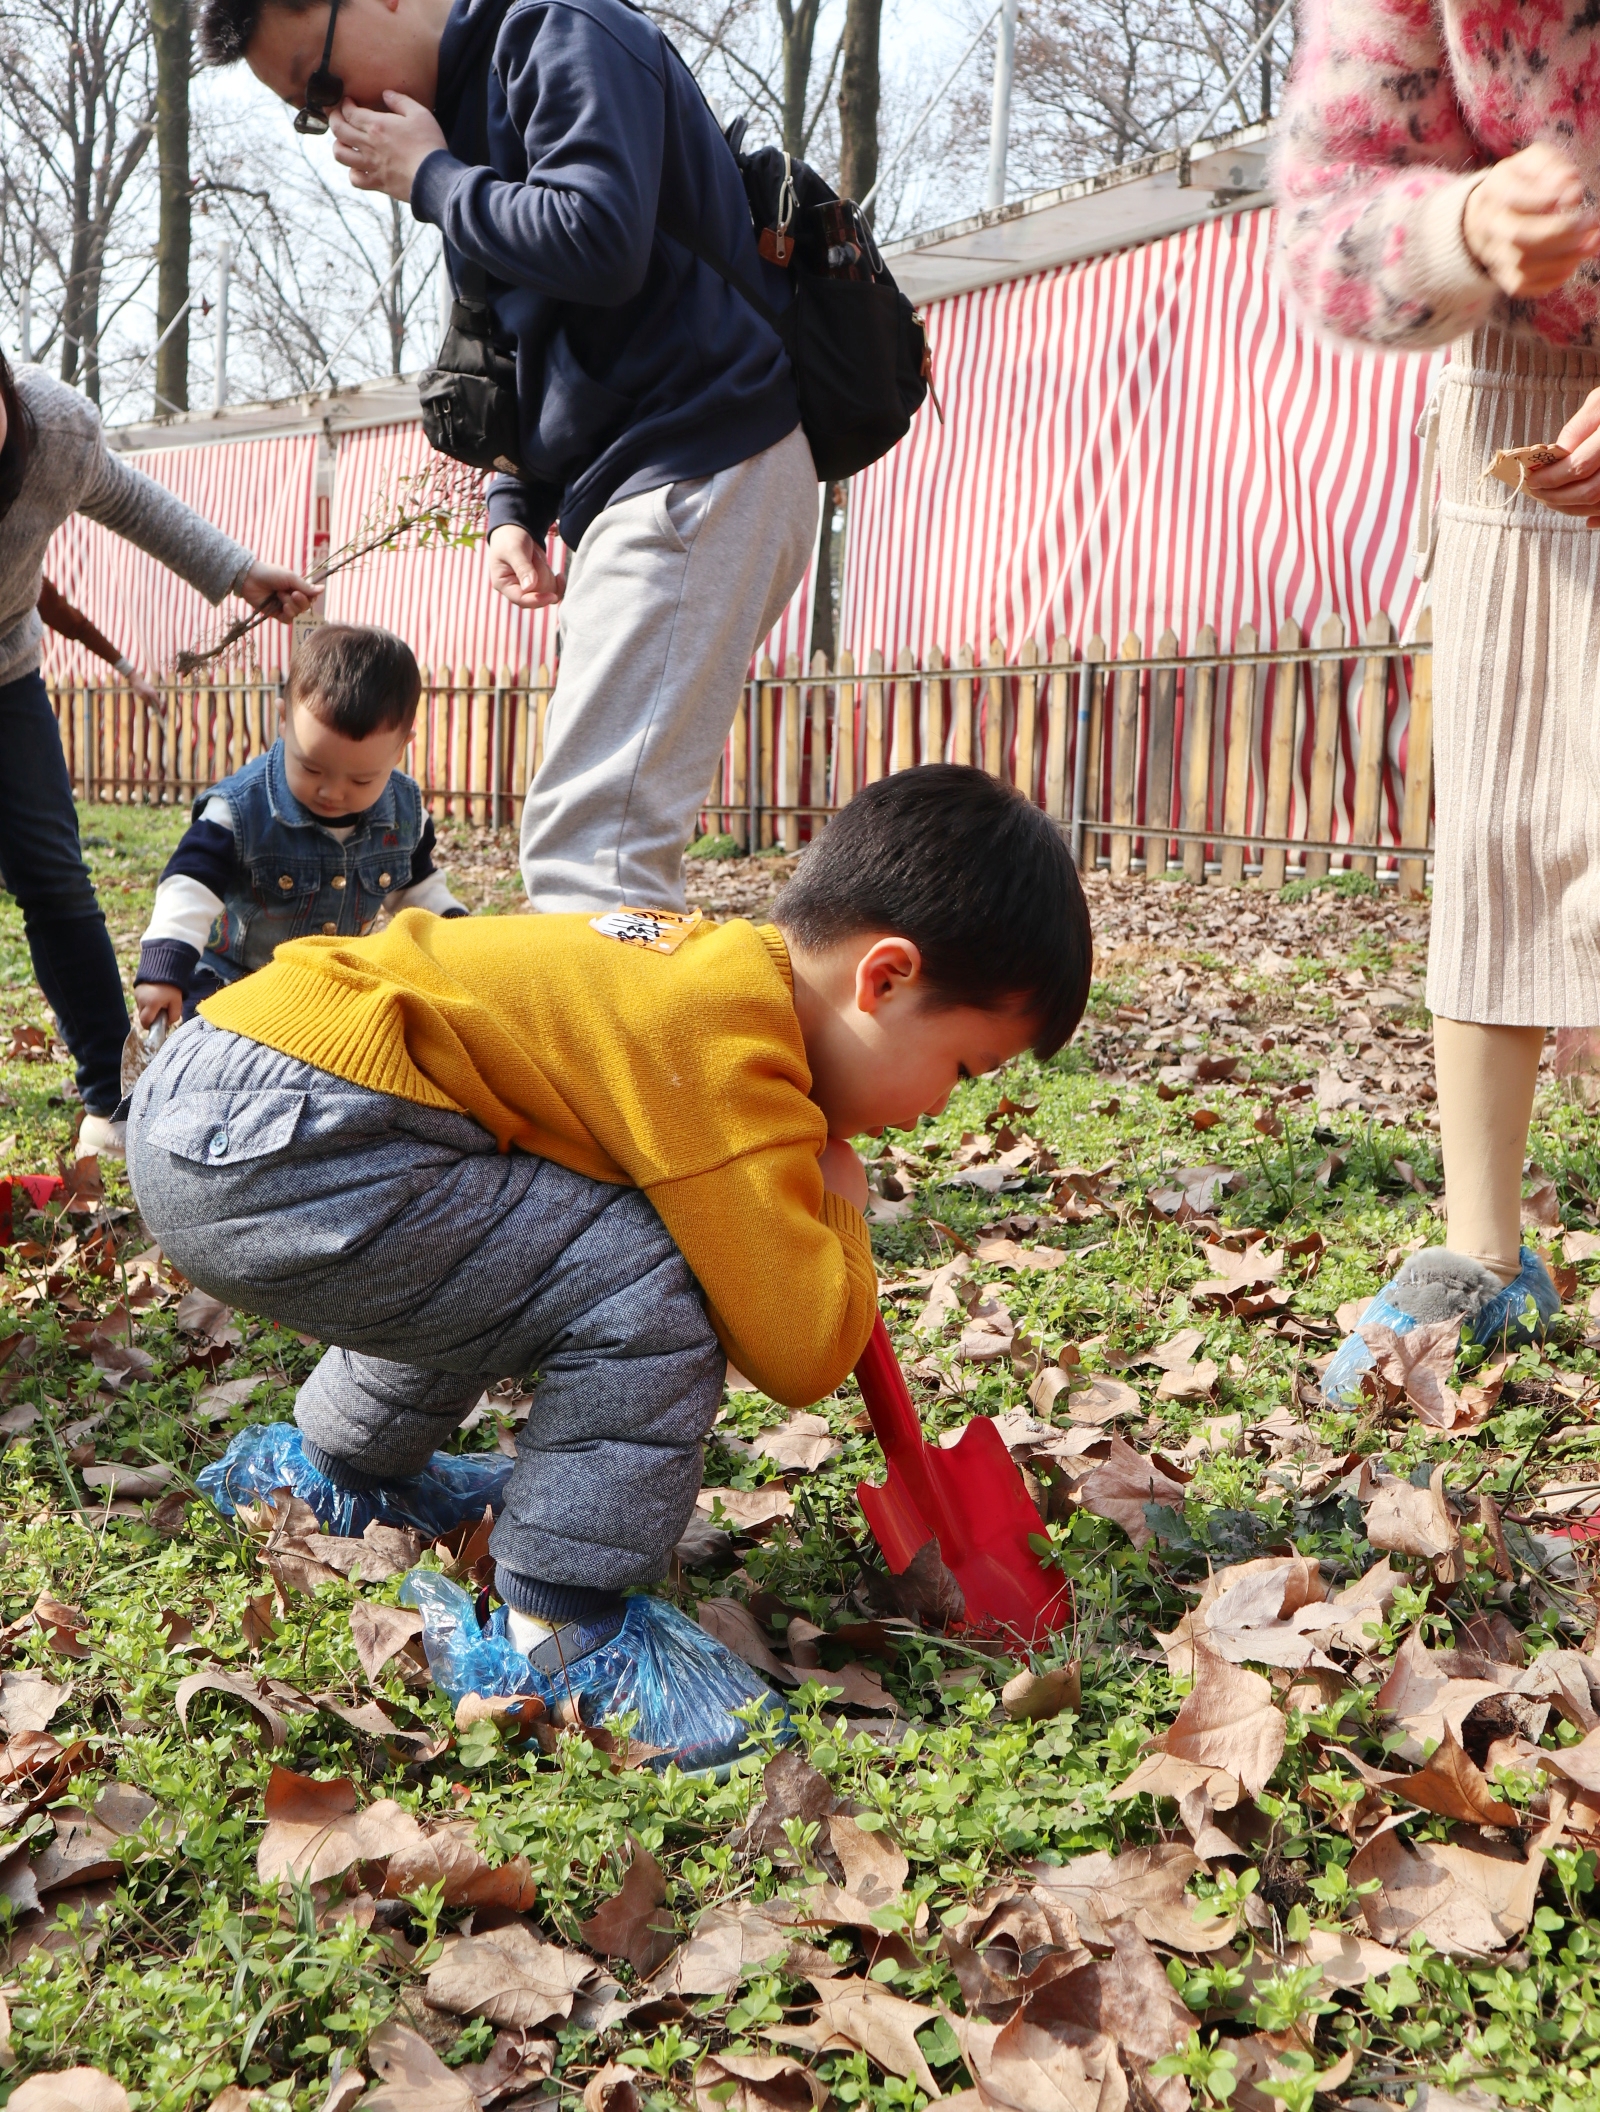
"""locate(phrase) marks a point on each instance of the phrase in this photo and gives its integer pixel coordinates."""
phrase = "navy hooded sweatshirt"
(637, 365)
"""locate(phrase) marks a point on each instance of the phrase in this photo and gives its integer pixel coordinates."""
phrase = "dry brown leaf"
(345, 2091)
(863, 2013)
(1418, 1365)
(1034, 1697)
(261, 1696)
(28, 1702)
(447, 1854)
(70, 2090)
(1428, 1696)
(256, 1624)
(612, 2088)
(738, 1630)
(633, 1923)
(747, 1510)
(1235, 1273)
(793, 1789)
(857, 1687)
(378, 1632)
(508, 1976)
(755, 2082)
(412, 2078)
(134, 1483)
(1472, 1898)
(1122, 1484)
(1143, 1885)
(727, 1941)
(82, 1853)
(800, 1445)
(1128, 1998)
(516, 2061)
(1229, 1721)
(874, 1877)
(1412, 1521)
(199, 1313)
(923, 1590)
(1541, 1205)
(1448, 1782)
(62, 1625)
(1020, 2067)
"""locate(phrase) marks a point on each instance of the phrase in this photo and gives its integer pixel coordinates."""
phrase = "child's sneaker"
(450, 1490)
(679, 1684)
(1438, 1285)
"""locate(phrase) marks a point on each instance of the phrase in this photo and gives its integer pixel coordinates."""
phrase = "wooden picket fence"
(1220, 761)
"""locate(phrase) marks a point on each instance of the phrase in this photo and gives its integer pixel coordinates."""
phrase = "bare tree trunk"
(394, 301)
(172, 37)
(858, 99)
(76, 333)
(798, 20)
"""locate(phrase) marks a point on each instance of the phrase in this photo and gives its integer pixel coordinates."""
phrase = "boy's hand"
(519, 569)
(383, 149)
(1527, 224)
(154, 1001)
(843, 1173)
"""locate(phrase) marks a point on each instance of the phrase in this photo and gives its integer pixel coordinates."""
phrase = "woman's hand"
(383, 149)
(843, 1173)
(153, 1001)
(1573, 486)
(1526, 223)
(519, 569)
(276, 590)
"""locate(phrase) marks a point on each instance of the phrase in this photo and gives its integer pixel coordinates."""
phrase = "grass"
(179, 1972)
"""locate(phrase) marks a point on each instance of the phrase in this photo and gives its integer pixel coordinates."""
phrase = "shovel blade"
(992, 1519)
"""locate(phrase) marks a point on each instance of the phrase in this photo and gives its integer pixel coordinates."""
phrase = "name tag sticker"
(657, 930)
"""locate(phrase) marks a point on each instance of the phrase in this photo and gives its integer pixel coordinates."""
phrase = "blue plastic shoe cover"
(680, 1684)
(1519, 1313)
(451, 1489)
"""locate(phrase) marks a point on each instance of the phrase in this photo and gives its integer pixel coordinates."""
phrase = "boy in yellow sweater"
(612, 1151)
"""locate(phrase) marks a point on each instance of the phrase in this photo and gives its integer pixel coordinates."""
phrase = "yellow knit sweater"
(683, 1074)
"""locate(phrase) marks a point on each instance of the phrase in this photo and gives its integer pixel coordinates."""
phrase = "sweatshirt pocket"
(579, 417)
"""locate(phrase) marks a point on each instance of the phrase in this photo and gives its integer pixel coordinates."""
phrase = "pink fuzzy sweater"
(1392, 108)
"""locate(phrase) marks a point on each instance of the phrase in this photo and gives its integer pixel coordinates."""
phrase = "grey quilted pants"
(433, 1264)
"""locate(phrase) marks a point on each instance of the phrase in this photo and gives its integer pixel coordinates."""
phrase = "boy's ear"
(889, 967)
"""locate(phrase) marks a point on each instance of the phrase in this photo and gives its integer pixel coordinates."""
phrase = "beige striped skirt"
(1516, 622)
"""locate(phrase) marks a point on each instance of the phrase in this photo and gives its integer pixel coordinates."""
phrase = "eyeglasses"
(324, 89)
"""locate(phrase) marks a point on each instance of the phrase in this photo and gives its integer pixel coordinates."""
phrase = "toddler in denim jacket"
(316, 836)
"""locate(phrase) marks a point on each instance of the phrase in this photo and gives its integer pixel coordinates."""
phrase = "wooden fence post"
(1285, 693)
(933, 699)
(790, 794)
(994, 711)
(737, 820)
(844, 732)
(1027, 765)
(1419, 759)
(962, 701)
(761, 763)
(1055, 748)
(1369, 765)
(874, 761)
(1241, 744)
(818, 787)
(1324, 748)
(905, 751)
(1125, 760)
(1158, 759)
(1099, 701)
(1199, 705)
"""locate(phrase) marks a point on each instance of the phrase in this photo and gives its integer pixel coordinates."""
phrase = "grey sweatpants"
(668, 595)
(435, 1264)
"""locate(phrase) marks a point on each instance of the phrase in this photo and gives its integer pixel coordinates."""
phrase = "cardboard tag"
(1511, 464)
(657, 930)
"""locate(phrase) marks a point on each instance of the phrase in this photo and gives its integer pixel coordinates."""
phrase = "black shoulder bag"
(469, 394)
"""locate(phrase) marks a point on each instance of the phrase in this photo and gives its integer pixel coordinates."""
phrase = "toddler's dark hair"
(969, 870)
(355, 678)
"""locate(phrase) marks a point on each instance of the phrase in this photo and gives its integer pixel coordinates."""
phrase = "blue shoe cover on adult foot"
(1438, 1285)
(679, 1684)
(450, 1490)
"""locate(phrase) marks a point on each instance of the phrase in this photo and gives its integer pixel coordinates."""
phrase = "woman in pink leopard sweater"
(1437, 185)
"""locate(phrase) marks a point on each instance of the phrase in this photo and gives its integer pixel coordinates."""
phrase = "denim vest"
(293, 878)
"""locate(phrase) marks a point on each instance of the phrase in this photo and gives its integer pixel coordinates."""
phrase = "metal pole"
(1080, 766)
(1005, 59)
(224, 265)
(1203, 129)
(26, 346)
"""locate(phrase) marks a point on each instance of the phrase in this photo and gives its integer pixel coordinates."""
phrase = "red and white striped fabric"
(260, 491)
(1150, 438)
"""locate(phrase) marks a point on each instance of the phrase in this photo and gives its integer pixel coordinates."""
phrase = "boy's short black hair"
(974, 874)
(355, 678)
(223, 28)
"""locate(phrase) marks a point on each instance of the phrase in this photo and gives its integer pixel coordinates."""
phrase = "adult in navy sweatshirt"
(659, 423)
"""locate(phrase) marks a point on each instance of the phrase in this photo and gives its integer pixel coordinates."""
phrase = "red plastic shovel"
(968, 1496)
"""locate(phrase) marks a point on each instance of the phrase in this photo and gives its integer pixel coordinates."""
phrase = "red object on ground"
(969, 1496)
(39, 1188)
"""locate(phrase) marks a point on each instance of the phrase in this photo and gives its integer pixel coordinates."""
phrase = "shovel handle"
(895, 1421)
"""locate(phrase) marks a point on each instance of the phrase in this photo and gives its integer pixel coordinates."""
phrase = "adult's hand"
(519, 569)
(143, 688)
(276, 590)
(383, 149)
(1527, 224)
(1573, 486)
(843, 1173)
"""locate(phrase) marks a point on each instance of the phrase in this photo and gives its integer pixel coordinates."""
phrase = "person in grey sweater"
(54, 462)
